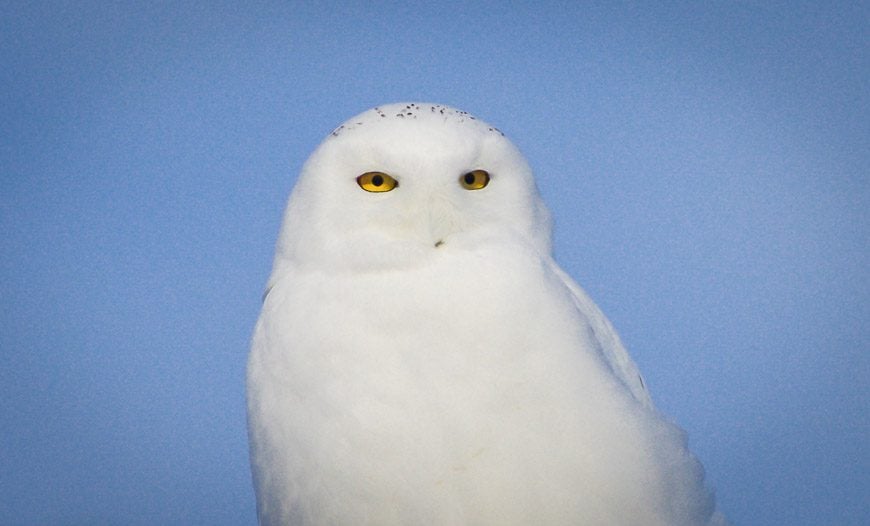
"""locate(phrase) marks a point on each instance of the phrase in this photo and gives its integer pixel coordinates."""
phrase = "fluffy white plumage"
(421, 359)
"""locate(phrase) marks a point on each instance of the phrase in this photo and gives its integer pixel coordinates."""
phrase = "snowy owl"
(421, 359)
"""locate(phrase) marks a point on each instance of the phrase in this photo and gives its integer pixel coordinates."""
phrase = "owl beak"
(442, 220)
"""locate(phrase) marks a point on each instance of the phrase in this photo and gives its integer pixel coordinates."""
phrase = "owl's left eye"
(474, 180)
(376, 182)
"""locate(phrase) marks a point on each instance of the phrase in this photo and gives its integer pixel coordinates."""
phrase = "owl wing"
(610, 345)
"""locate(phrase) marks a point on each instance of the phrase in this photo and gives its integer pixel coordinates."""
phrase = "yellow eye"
(376, 182)
(475, 179)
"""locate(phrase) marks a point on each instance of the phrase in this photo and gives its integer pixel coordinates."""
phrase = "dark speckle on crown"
(409, 111)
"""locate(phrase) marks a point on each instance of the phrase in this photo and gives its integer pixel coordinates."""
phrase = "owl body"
(429, 363)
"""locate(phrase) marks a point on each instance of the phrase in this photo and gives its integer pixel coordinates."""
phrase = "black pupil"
(469, 178)
(377, 180)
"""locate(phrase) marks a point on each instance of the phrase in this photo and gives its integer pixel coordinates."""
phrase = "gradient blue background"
(707, 163)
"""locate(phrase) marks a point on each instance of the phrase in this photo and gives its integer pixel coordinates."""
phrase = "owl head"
(403, 183)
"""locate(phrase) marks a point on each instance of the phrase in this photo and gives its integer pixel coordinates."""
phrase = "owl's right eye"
(376, 182)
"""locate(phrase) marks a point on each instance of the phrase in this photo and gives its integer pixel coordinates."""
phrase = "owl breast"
(460, 391)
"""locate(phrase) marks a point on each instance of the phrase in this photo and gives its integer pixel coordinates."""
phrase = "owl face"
(402, 183)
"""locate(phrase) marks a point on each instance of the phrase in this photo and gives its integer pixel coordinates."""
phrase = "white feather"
(421, 359)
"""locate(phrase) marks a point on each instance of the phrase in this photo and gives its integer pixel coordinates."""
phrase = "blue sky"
(707, 164)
